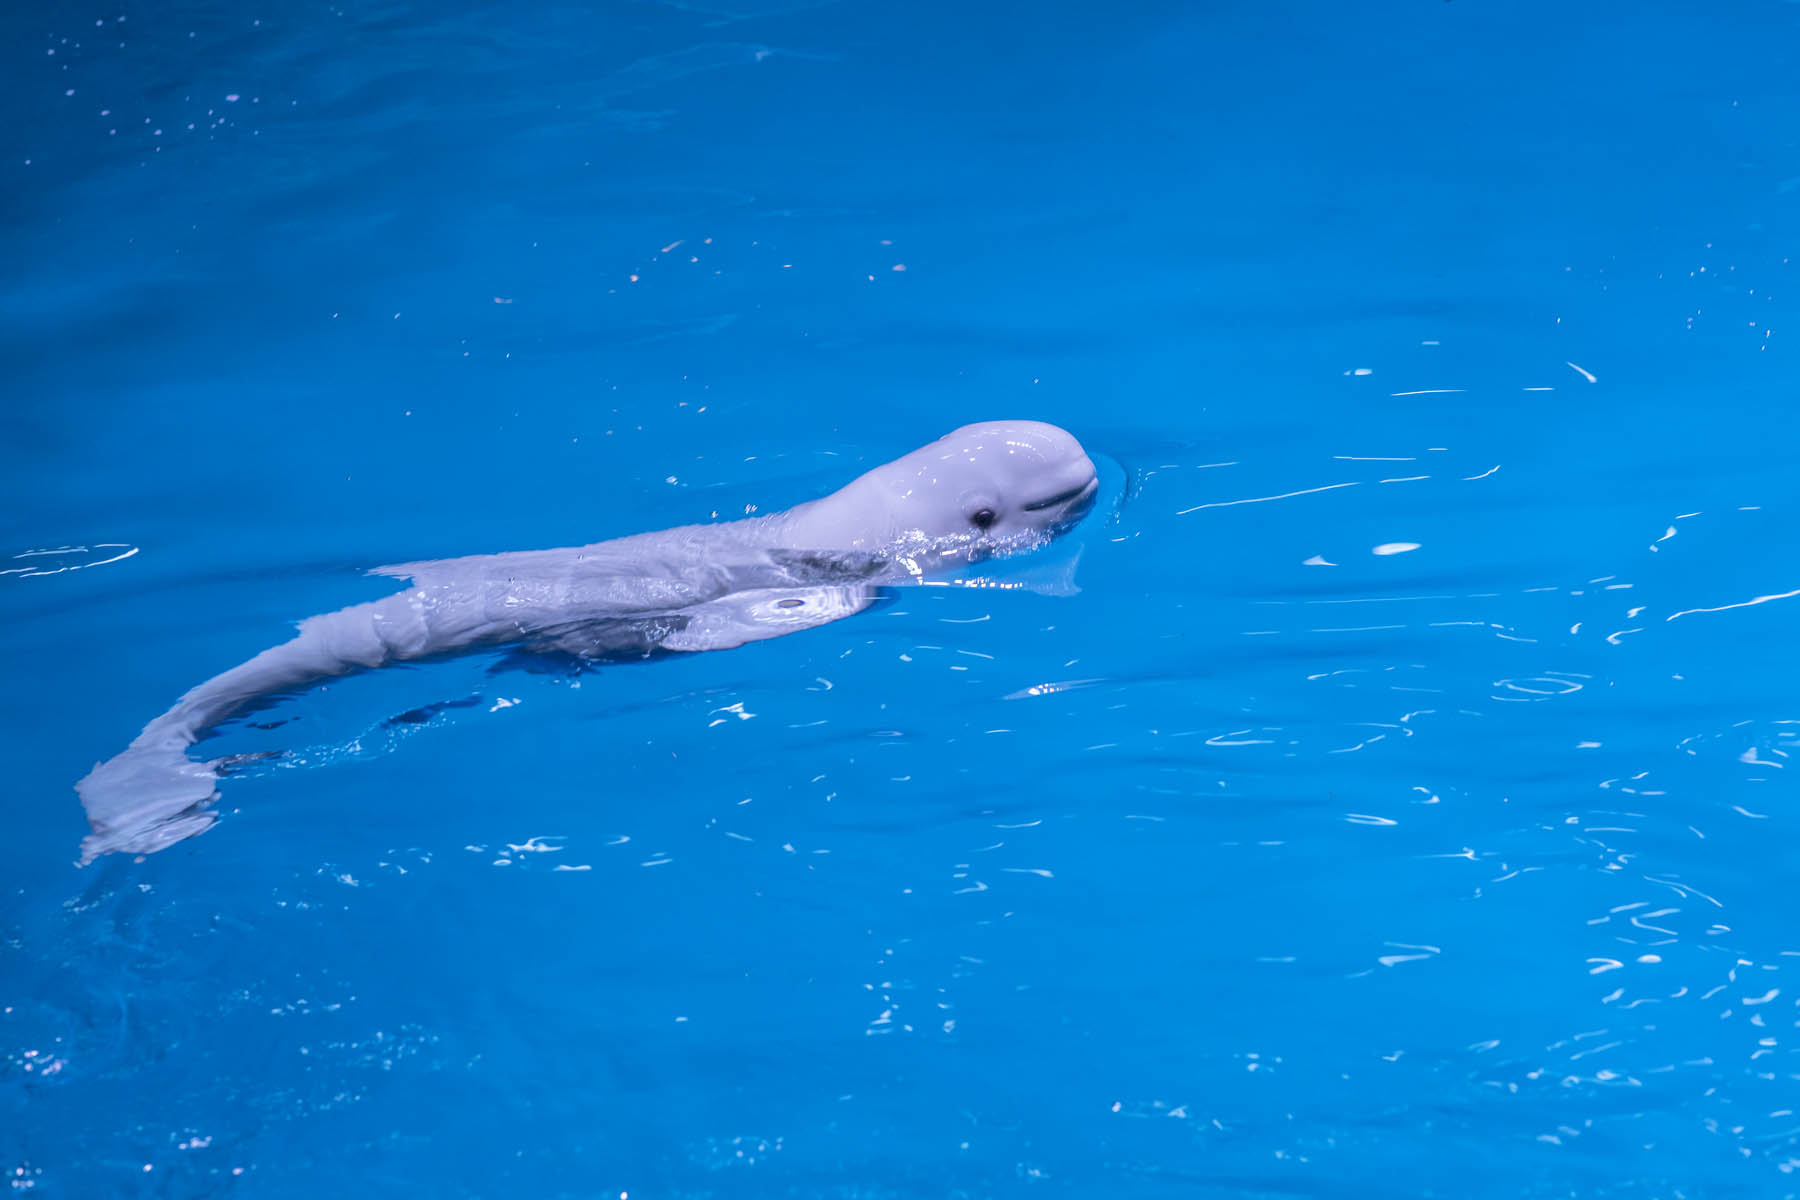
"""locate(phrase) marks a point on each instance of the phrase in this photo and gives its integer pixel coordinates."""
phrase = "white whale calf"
(981, 490)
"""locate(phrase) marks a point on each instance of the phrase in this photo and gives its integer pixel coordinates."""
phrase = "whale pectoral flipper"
(764, 613)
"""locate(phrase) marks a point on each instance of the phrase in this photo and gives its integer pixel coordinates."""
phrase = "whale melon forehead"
(1036, 437)
(1000, 452)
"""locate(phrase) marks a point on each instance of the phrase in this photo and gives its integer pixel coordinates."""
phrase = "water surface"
(1399, 807)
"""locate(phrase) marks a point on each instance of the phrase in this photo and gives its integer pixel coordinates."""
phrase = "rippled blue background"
(1459, 871)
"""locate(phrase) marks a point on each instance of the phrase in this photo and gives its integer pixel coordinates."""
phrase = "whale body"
(979, 491)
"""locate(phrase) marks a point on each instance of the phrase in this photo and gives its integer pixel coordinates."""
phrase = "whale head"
(977, 491)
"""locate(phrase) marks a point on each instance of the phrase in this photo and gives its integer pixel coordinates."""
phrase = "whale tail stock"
(151, 794)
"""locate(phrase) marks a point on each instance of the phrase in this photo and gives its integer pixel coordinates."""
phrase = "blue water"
(1458, 870)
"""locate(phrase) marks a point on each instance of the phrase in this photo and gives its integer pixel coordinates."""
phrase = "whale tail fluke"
(146, 798)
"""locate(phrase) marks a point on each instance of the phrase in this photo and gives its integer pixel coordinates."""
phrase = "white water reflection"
(1539, 688)
(57, 560)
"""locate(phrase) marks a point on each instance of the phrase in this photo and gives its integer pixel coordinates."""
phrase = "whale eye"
(789, 603)
(982, 518)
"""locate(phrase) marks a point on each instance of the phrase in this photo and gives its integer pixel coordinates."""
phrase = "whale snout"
(1064, 500)
(1083, 502)
(1080, 493)
(1068, 510)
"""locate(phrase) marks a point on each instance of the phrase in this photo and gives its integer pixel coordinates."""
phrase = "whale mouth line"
(1075, 493)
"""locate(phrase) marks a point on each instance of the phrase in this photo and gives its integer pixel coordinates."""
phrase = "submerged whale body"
(980, 491)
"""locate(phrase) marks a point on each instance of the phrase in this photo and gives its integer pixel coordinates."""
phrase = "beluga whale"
(989, 489)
